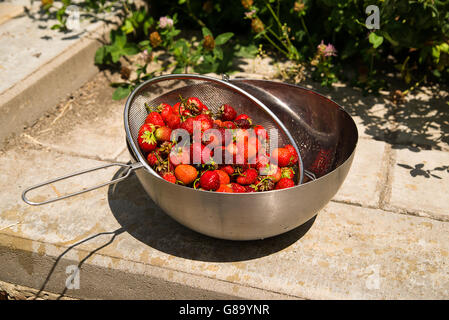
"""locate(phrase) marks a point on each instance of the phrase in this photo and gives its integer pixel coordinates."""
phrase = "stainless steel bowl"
(327, 137)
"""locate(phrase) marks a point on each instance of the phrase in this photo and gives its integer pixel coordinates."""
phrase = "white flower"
(250, 14)
(165, 22)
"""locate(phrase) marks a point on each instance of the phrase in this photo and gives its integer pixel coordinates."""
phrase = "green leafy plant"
(413, 39)
(202, 56)
(119, 47)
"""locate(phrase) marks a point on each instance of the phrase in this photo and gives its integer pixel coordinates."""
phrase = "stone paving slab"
(346, 252)
(424, 119)
(420, 182)
(40, 66)
(94, 132)
(28, 43)
(365, 179)
(9, 11)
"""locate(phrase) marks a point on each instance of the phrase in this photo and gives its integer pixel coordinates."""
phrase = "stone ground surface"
(383, 236)
(39, 66)
(17, 61)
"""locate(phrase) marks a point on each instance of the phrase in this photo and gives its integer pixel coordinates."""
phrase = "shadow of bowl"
(137, 213)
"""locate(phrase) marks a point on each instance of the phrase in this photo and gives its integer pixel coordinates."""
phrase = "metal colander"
(213, 93)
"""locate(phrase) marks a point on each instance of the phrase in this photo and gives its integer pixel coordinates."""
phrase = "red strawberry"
(179, 155)
(170, 177)
(152, 159)
(250, 188)
(197, 154)
(163, 134)
(173, 121)
(224, 188)
(262, 161)
(250, 151)
(229, 125)
(293, 152)
(146, 127)
(282, 157)
(147, 140)
(249, 176)
(188, 125)
(155, 118)
(180, 109)
(176, 107)
(218, 123)
(259, 146)
(243, 116)
(228, 169)
(236, 188)
(212, 138)
(225, 157)
(195, 104)
(261, 133)
(205, 122)
(232, 150)
(210, 180)
(284, 183)
(224, 177)
(207, 155)
(275, 176)
(165, 110)
(205, 109)
(243, 123)
(186, 173)
(227, 112)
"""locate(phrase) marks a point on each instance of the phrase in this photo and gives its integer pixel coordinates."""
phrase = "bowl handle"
(129, 167)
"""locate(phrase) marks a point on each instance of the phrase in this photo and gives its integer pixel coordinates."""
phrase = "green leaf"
(100, 55)
(248, 51)
(223, 38)
(178, 69)
(207, 67)
(119, 39)
(206, 32)
(121, 93)
(128, 27)
(130, 49)
(144, 43)
(146, 26)
(218, 52)
(116, 53)
(375, 40)
(390, 39)
(436, 54)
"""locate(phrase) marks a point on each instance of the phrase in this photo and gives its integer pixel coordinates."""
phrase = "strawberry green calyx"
(196, 183)
(287, 173)
(265, 184)
(149, 108)
(163, 167)
(166, 147)
(148, 137)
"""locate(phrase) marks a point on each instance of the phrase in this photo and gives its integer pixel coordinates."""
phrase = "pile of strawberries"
(227, 159)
